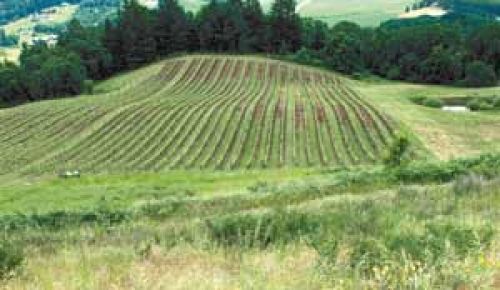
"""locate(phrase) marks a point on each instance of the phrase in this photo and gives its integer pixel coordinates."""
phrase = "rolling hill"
(212, 112)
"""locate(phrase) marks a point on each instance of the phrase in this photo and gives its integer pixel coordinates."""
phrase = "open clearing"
(433, 11)
(363, 12)
(446, 134)
(200, 112)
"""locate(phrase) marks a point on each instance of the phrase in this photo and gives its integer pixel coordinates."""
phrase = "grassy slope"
(174, 248)
(446, 134)
(364, 12)
(199, 112)
(63, 14)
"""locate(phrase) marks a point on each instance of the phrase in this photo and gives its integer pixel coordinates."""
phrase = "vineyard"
(199, 112)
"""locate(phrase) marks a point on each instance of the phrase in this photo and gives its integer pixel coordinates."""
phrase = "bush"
(11, 259)
(368, 253)
(419, 100)
(464, 240)
(468, 184)
(433, 103)
(394, 73)
(474, 104)
(483, 104)
(496, 102)
(249, 230)
(88, 87)
(398, 152)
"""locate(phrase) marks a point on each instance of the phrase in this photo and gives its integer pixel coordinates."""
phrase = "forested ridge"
(457, 52)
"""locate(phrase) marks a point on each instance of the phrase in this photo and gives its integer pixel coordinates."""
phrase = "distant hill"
(213, 112)
(15, 9)
(482, 7)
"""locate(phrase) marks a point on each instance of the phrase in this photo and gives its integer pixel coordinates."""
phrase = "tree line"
(428, 52)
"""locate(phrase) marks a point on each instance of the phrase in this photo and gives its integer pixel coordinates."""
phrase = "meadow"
(446, 134)
(363, 12)
(425, 226)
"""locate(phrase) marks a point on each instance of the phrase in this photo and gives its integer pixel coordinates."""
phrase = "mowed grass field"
(363, 12)
(200, 112)
(446, 134)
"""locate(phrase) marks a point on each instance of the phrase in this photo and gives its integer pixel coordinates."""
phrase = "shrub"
(496, 102)
(474, 104)
(482, 104)
(367, 253)
(394, 73)
(11, 259)
(303, 56)
(398, 152)
(249, 230)
(88, 87)
(468, 184)
(433, 102)
(463, 239)
(418, 99)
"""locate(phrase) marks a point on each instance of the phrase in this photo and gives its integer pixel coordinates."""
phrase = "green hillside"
(200, 112)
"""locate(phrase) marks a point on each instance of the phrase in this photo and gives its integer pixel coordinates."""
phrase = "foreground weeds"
(435, 236)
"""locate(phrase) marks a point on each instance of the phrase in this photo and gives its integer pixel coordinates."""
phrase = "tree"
(136, 34)
(314, 34)
(442, 66)
(253, 14)
(222, 26)
(171, 28)
(51, 72)
(13, 89)
(86, 43)
(484, 45)
(113, 42)
(284, 26)
(343, 48)
(479, 74)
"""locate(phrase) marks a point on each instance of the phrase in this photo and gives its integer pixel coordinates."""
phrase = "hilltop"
(215, 112)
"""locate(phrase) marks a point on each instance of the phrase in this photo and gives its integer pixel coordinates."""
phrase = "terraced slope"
(208, 112)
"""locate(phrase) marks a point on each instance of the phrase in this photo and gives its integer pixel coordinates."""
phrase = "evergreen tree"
(172, 28)
(112, 41)
(222, 26)
(255, 21)
(86, 43)
(284, 26)
(136, 34)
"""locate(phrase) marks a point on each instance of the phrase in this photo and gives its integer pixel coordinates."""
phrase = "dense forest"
(457, 52)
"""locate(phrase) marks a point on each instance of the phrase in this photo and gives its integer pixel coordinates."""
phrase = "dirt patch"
(320, 112)
(280, 107)
(299, 116)
(257, 112)
(261, 71)
(342, 114)
(367, 118)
